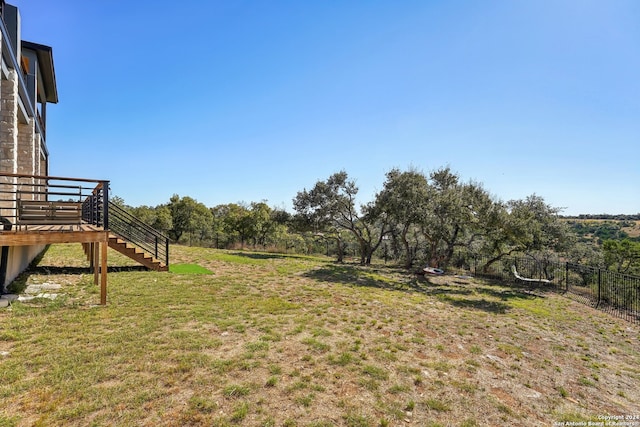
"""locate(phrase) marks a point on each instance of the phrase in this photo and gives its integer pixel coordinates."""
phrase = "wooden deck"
(48, 234)
(96, 237)
(56, 227)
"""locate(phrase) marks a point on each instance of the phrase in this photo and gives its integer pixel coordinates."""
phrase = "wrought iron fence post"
(599, 287)
(566, 276)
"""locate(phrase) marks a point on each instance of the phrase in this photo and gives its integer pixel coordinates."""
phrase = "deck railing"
(43, 200)
(27, 200)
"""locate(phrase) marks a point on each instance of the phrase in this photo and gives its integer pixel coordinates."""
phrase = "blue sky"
(229, 101)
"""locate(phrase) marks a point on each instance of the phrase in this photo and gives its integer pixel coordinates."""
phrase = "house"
(37, 209)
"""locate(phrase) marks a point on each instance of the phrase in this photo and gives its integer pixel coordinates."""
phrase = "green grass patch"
(236, 390)
(543, 308)
(188, 269)
(316, 345)
(437, 405)
(375, 372)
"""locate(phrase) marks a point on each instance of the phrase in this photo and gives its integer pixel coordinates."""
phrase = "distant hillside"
(606, 227)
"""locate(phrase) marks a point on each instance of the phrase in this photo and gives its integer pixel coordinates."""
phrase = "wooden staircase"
(136, 254)
(132, 251)
(137, 240)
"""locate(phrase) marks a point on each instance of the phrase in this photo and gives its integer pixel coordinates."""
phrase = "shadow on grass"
(355, 276)
(47, 270)
(20, 283)
(259, 255)
(271, 255)
(495, 307)
(431, 288)
(460, 294)
(508, 291)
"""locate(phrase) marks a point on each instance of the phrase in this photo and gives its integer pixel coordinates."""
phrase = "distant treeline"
(415, 219)
(619, 217)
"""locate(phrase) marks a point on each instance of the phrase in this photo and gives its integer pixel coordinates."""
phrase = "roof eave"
(45, 62)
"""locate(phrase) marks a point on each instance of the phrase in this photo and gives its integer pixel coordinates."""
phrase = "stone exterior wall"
(8, 136)
(26, 162)
(9, 123)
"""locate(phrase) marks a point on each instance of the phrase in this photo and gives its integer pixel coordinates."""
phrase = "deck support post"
(103, 274)
(95, 254)
(90, 257)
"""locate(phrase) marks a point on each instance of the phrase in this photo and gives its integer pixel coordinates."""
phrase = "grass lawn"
(188, 269)
(273, 340)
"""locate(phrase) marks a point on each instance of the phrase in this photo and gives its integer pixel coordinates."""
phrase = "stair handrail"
(132, 229)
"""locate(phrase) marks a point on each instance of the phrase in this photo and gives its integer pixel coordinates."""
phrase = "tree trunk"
(495, 259)
(366, 253)
(363, 253)
(340, 250)
(408, 261)
(369, 258)
(451, 244)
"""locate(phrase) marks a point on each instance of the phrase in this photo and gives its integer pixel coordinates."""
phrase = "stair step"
(136, 253)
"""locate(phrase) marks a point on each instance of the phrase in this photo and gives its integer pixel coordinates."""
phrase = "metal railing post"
(105, 204)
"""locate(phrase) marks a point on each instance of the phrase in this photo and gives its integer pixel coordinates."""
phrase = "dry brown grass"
(633, 231)
(269, 340)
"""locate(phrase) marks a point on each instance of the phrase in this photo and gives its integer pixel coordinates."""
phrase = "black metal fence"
(614, 293)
